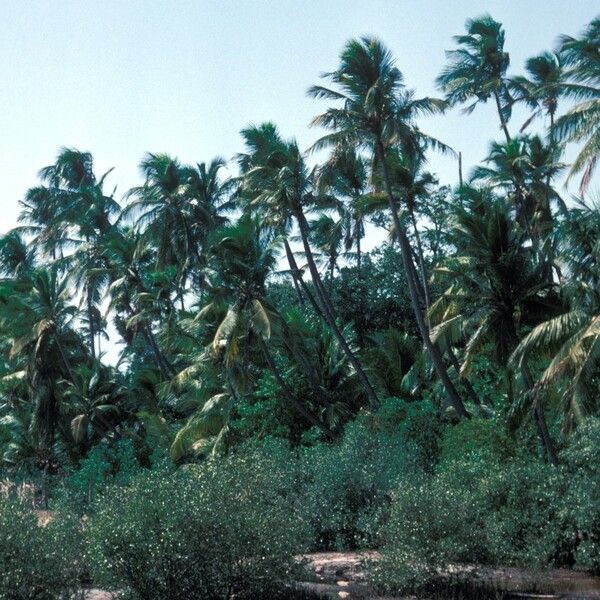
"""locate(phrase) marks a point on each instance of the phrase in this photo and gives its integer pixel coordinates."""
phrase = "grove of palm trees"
(215, 372)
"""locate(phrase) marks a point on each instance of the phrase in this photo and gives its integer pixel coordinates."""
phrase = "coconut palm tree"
(378, 112)
(281, 189)
(244, 255)
(327, 235)
(345, 176)
(542, 88)
(40, 318)
(571, 341)
(163, 209)
(476, 70)
(582, 123)
(495, 291)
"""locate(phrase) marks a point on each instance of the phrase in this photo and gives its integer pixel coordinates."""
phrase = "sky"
(121, 78)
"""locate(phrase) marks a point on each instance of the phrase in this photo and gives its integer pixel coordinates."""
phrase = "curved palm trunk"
(90, 312)
(358, 249)
(164, 365)
(289, 396)
(539, 417)
(328, 311)
(427, 298)
(502, 119)
(421, 257)
(297, 276)
(409, 268)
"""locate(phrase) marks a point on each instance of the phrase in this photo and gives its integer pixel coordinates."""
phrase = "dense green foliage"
(38, 563)
(219, 530)
(209, 376)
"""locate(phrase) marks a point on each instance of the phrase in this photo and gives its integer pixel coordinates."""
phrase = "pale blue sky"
(120, 78)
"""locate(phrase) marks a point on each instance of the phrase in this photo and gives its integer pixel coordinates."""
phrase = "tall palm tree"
(40, 319)
(571, 341)
(129, 258)
(582, 123)
(378, 112)
(281, 189)
(162, 209)
(327, 235)
(542, 88)
(345, 176)
(524, 169)
(476, 70)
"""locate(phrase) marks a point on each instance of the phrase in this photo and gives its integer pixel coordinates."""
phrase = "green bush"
(223, 528)
(37, 563)
(348, 485)
(582, 499)
(476, 510)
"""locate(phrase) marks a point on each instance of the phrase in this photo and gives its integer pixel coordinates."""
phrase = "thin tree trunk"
(502, 119)
(328, 308)
(425, 283)
(464, 380)
(289, 396)
(297, 274)
(405, 252)
(460, 173)
(427, 298)
(539, 417)
(358, 249)
(90, 312)
(164, 365)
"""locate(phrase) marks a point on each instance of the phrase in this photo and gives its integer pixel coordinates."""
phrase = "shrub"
(209, 531)
(348, 484)
(582, 500)
(37, 563)
(476, 510)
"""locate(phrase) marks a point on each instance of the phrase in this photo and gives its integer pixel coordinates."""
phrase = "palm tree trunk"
(427, 298)
(289, 396)
(539, 417)
(424, 282)
(502, 119)
(409, 268)
(328, 312)
(358, 249)
(297, 275)
(90, 312)
(464, 380)
(164, 365)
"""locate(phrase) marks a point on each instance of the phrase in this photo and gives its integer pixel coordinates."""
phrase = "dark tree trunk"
(502, 119)
(328, 311)
(405, 251)
(288, 394)
(427, 298)
(538, 417)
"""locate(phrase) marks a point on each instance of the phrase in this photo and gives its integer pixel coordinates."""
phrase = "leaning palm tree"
(378, 112)
(279, 187)
(243, 256)
(582, 123)
(345, 176)
(476, 70)
(327, 235)
(40, 318)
